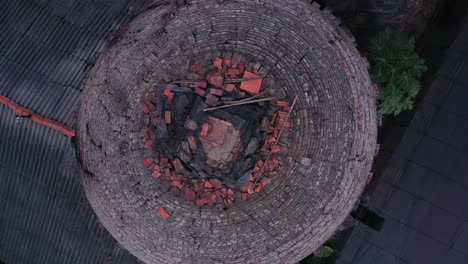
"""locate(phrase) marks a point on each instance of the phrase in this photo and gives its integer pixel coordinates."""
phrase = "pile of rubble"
(216, 138)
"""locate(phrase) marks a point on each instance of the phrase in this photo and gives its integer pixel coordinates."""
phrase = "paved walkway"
(423, 194)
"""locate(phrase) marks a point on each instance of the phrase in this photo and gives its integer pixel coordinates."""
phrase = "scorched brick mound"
(262, 182)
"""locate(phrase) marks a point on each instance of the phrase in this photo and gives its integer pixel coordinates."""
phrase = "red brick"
(217, 184)
(213, 199)
(162, 212)
(145, 109)
(276, 149)
(241, 68)
(156, 174)
(260, 163)
(189, 195)
(229, 87)
(192, 142)
(273, 119)
(205, 129)
(258, 188)
(177, 184)
(244, 196)
(149, 144)
(170, 97)
(217, 92)
(201, 84)
(208, 185)
(216, 79)
(211, 100)
(167, 117)
(147, 162)
(250, 187)
(203, 201)
(282, 103)
(178, 166)
(157, 168)
(164, 160)
(236, 59)
(151, 106)
(218, 63)
(252, 86)
(233, 73)
(200, 92)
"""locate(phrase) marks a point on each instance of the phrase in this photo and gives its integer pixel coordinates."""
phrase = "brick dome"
(330, 144)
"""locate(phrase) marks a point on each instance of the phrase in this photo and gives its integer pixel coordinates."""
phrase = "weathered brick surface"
(331, 141)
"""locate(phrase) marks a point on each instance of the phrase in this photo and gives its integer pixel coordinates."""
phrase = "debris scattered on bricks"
(214, 139)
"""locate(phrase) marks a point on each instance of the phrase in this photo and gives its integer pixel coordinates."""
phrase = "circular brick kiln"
(321, 162)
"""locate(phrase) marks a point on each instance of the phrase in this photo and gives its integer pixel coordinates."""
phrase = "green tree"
(396, 68)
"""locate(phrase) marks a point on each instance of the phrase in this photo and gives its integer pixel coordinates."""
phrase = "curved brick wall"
(331, 143)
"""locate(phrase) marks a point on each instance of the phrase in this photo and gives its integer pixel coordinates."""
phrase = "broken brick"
(265, 123)
(229, 87)
(192, 142)
(157, 168)
(189, 195)
(233, 73)
(191, 125)
(250, 187)
(241, 68)
(216, 79)
(218, 63)
(217, 184)
(236, 59)
(156, 174)
(170, 97)
(162, 212)
(258, 188)
(211, 100)
(208, 185)
(271, 140)
(213, 199)
(178, 166)
(147, 162)
(244, 196)
(167, 91)
(202, 201)
(167, 117)
(201, 84)
(150, 106)
(260, 163)
(200, 92)
(149, 144)
(163, 160)
(276, 149)
(282, 103)
(177, 184)
(251, 86)
(205, 129)
(145, 109)
(217, 92)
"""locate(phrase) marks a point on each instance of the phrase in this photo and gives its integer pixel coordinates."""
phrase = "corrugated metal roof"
(47, 48)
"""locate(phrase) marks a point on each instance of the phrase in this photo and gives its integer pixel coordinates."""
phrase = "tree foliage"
(396, 68)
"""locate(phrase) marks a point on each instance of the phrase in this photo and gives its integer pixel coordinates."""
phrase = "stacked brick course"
(331, 140)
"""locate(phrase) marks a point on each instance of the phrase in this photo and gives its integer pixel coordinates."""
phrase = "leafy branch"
(396, 68)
